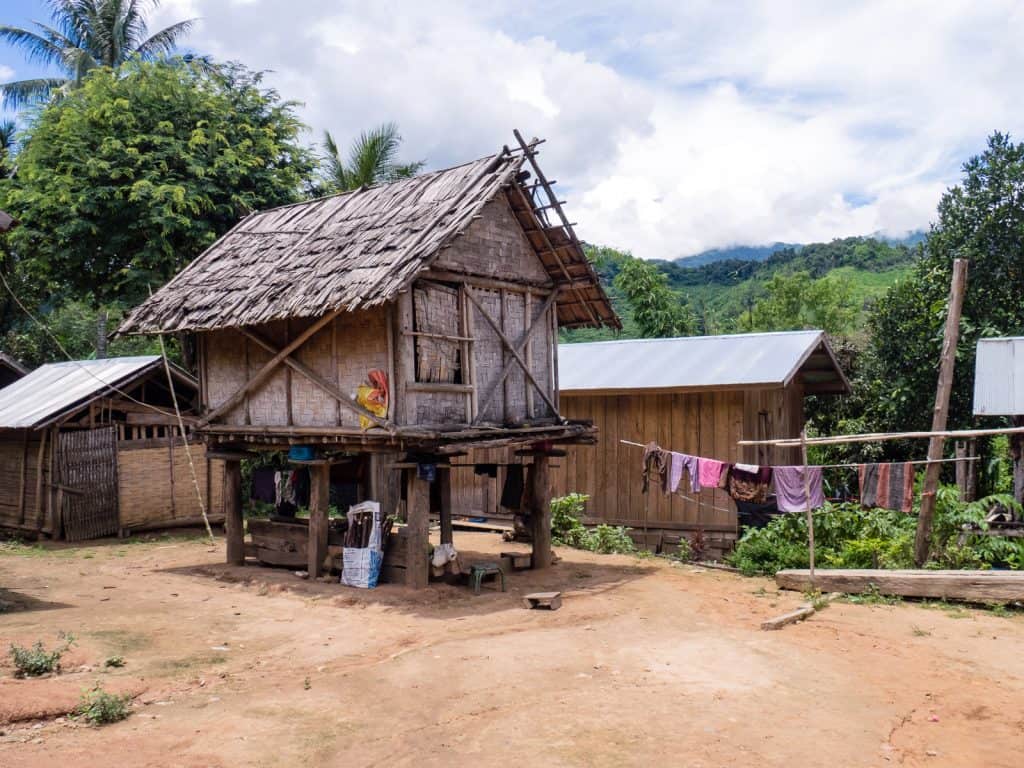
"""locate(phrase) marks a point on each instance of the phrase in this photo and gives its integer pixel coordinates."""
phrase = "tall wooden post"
(234, 532)
(417, 515)
(540, 514)
(444, 477)
(810, 510)
(319, 497)
(951, 335)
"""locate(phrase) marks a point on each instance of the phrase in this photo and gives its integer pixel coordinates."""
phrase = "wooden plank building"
(92, 448)
(443, 292)
(696, 395)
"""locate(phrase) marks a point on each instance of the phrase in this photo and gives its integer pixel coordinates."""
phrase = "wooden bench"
(550, 600)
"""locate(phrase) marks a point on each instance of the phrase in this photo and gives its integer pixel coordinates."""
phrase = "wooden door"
(87, 462)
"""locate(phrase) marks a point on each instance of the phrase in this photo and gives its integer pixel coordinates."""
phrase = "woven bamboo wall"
(19, 481)
(495, 246)
(343, 353)
(155, 484)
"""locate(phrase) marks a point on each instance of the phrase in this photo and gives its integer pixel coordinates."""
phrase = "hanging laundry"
(512, 491)
(748, 482)
(263, 485)
(426, 471)
(656, 465)
(683, 464)
(789, 488)
(711, 473)
(889, 486)
(753, 515)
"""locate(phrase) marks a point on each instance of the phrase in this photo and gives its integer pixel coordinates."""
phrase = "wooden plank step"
(550, 600)
(972, 586)
(517, 561)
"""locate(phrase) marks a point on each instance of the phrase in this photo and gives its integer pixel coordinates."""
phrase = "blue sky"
(672, 127)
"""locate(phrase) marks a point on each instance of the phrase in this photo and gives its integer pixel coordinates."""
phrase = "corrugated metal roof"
(52, 390)
(694, 362)
(999, 377)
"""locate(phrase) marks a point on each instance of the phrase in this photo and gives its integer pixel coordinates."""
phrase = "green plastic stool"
(479, 570)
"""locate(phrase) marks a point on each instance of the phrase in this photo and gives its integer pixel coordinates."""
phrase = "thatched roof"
(361, 249)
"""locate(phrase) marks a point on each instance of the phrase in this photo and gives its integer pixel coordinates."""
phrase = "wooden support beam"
(319, 497)
(234, 531)
(801, 613)
(417, 530)
(271, 365)
(951, 334)
(540, 512)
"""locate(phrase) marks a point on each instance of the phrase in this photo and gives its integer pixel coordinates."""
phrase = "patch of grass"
(952, 610)
(872, 597)
(817, 600)
(114, 662)
(196, 660)
(119, 642)
(98, 707)
(35, 660)
(918, 632)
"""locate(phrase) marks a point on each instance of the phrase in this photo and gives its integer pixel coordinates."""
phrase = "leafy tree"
(657, 309)
(84, 35)
(981, 220)
(132, 175)
(372, 159)
(796, 302)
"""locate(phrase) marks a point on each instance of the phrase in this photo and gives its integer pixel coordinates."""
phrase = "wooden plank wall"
(706, 424)
(155, 483)
(24, 493)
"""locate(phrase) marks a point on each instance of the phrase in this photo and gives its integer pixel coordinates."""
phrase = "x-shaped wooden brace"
(284, 356)
(516, 350)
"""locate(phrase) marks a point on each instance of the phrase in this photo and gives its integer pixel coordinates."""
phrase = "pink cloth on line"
(709, 472)
(681, 461)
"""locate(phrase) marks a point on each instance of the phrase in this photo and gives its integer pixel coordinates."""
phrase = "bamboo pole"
(878, 437)
(807, 497)
(951, 334)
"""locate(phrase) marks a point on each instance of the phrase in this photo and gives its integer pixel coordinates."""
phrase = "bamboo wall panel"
(440, 408)
(88, 464)
(436, 308)
(362, 345)
(494, 246)
(311, 405)
(514, 316)
(488, 356)
(155, 488)
(269, 403)
(224, 355)
(540, 359)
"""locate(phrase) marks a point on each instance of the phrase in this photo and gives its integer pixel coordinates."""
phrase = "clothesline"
(852, 466)
(875, 437)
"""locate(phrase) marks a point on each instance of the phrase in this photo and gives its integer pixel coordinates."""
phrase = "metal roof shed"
(999, 377)
(89, 448)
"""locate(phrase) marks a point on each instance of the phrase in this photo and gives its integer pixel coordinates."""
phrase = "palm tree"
(371, 160)
(7, 130)
(86, 34)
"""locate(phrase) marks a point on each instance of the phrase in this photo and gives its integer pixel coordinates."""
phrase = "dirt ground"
(646, 663)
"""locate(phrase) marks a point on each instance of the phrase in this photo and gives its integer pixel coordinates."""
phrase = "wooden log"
(319, 493)
(951, 334)
(417, 530)
(801, 613)
(972, 586)
(540, 498)
(234, 531)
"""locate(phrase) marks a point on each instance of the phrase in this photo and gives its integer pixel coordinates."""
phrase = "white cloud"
(674, 127)
(6, 73)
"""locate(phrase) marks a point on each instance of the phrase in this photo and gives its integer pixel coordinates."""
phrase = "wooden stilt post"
(234, 531)
(923, 540)
(444, 477)
(418, 530)
(807, 496)
(319, 495)
(540, 496)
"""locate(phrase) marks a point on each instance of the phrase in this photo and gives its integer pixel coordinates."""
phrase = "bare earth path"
(645, 664)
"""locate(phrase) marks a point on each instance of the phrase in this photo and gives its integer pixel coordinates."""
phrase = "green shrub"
(609, 540)
(97, 707)
(36, 660)
(568, 531)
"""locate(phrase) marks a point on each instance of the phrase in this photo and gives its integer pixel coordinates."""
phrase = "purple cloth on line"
(681, 461)
(789, 488)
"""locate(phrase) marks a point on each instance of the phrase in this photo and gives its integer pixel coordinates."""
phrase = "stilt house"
(443, 292)
(93, 448)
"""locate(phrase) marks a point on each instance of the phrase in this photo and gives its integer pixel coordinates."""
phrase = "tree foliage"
(796, 302)
(372, 159)
(131, 176)
(657, 310)
(83, 35)
(981, 220)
